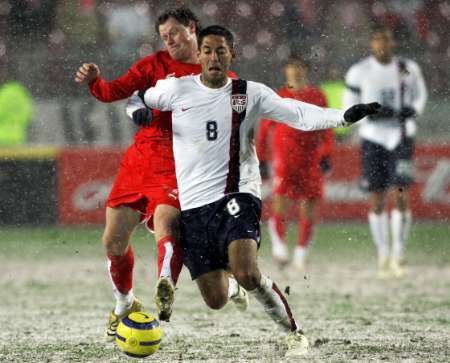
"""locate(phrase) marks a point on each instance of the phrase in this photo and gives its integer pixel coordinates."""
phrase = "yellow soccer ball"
(139, 335)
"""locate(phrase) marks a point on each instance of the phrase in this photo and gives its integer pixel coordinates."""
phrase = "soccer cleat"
(240, 299)
(164, 298)
(383, 268)
(114, 319)
(397, 268)
(297, 344)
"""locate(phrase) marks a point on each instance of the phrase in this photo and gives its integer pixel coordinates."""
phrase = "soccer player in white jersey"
(387, 142)
(213, 121)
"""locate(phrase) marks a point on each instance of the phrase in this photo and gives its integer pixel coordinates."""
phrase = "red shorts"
(146, 179)
(297, 177)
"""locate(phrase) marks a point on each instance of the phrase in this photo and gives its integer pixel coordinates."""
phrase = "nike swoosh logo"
(185, 108)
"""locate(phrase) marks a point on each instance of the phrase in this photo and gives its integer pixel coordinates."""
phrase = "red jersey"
(141, 76)
(276, 135)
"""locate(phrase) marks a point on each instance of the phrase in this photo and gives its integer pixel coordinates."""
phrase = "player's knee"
(113, 244)
(247, 278)
(216, 301)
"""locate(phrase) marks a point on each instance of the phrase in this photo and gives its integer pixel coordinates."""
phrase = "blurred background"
(67, 145)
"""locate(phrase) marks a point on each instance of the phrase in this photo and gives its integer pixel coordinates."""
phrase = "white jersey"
(213, 133)
(371, 81)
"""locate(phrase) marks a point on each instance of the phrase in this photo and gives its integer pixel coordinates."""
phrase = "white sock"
(379, 227)
(279, 246)
(400, 227)
(233, 287)
(123, 301)
(300, 254)
(275, 304)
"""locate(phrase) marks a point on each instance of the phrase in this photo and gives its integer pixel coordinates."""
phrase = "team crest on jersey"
(239, 102)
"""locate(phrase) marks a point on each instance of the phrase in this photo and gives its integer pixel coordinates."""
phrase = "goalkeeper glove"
(361, 110)
(142, 116)
(383, 112)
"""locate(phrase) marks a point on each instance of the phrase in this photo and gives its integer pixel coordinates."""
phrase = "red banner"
(429, 196)
(85, 176)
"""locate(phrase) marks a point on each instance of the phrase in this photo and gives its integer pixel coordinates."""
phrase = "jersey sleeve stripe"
(239, 87)
(354, 89)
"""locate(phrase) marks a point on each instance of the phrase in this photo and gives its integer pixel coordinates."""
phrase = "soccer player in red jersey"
(145, 189)
(299, 160)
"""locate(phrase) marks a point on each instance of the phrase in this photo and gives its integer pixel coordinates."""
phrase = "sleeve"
(162, 95)
(263, 138)
(138, 77)
(420, 91)
(134, 103)
(352, 92)
(296, 114)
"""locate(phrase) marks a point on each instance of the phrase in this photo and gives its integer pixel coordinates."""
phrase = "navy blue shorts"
(382, 168)
(207, 231)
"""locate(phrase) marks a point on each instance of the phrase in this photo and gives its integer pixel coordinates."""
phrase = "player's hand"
(87, 73)
(264, 170)
(325, 164)
(361, 110)
(383, 112)
(142, 116)
(407, 112)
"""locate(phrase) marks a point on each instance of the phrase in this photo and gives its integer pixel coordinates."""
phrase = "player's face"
(179, 40)
(382, 45)
(215, 56)
(295, 74)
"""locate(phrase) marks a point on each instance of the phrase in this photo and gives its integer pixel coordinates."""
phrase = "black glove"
(361, 110)
(264, 170)
(407, 112)
(325, 164)
(383, 112)
(142, 116)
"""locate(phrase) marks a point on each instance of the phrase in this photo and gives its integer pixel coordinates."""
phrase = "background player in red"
(145, 188)
(299, 160)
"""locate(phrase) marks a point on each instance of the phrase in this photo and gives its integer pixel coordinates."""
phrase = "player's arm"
(308, 117)
(421, 93)
(352, 92)
(140, 104)
(136, 78)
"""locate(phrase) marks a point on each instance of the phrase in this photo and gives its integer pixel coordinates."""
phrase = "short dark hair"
(182, 14)
(216, 30)
(380, 28)
(298, 61)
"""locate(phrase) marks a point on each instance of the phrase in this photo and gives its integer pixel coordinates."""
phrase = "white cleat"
(164, 297)
(297, 344)
(398, 268)
(241, 299)
(384, 271)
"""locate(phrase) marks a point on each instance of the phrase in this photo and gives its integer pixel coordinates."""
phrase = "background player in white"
(213, 121)
(387, 144)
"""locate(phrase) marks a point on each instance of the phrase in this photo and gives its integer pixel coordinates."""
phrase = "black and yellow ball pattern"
(139, 334)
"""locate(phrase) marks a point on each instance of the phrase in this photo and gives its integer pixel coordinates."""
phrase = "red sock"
(280, 226)
(121, 270)
(305, 231)
(170, 258)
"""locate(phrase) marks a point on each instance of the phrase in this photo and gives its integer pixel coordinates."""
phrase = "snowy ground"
(55, 297)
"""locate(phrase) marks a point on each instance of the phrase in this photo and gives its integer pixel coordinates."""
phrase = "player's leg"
(166, 220)
(401, 177)
(242, 255)
(277, 228)
(120, 224)
(306, 230)
(213, 286)
(375, 181)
